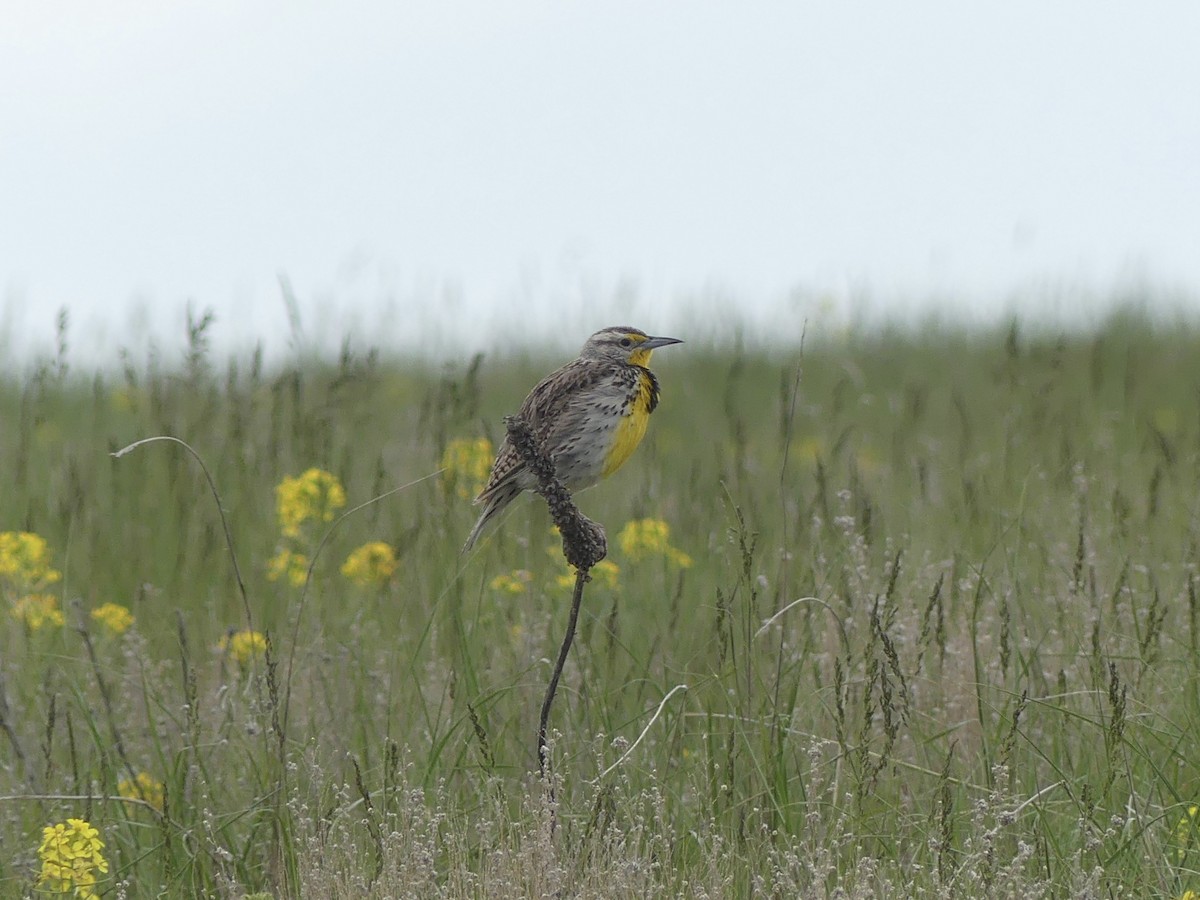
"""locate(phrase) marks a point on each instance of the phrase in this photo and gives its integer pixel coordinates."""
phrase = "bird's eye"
(626, 343)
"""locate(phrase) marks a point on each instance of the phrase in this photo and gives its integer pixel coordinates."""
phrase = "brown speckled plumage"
(587, 416)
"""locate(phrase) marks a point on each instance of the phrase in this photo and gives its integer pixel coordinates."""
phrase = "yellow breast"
(631, 429)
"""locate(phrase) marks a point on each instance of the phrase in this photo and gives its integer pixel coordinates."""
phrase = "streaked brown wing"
(542, 409)
(546, 402)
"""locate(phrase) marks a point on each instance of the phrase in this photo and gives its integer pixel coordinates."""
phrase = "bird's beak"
(655, 342)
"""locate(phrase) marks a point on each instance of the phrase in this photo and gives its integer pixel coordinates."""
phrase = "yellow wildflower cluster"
(315, 495)
(25, 561)
(113, 616)
(25, 573)
(515, 582)
(370, 564)
(639, 539)
(71, 857)
(605, 573)
(285, 563)
(643, 538)
(465, 466)
(143, 787)
(37, 610)
(244, 645)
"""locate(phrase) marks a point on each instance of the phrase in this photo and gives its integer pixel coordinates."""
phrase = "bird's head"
(621, 343)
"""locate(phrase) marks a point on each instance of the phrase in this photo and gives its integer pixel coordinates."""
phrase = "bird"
(588, 417)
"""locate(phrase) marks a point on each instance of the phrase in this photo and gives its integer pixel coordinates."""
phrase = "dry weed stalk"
(584, 545)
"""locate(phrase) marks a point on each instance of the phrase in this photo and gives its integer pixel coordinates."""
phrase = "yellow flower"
(36, 610)
(1189, 895)
(316, 494)
(25, 560)
(372, 563)
(643, 537)
(514, 582)
(115, 617)
(287, 563)
(71, 857)
(466, 464)
(650, 537)
(679, 558)
(143, 787)
(1186, 832)
(244, 645)
(810, 450)
(604, 573)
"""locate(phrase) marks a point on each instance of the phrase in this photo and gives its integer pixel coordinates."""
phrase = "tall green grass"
(939, 637)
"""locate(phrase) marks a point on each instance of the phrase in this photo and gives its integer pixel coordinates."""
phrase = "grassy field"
(901, 617)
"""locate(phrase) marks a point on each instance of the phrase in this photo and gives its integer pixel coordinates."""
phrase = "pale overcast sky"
(445, 172)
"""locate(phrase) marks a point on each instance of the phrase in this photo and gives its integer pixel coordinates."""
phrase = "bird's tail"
(493, 506)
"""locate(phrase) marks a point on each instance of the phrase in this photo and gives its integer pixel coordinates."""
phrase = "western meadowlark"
(589, 417)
